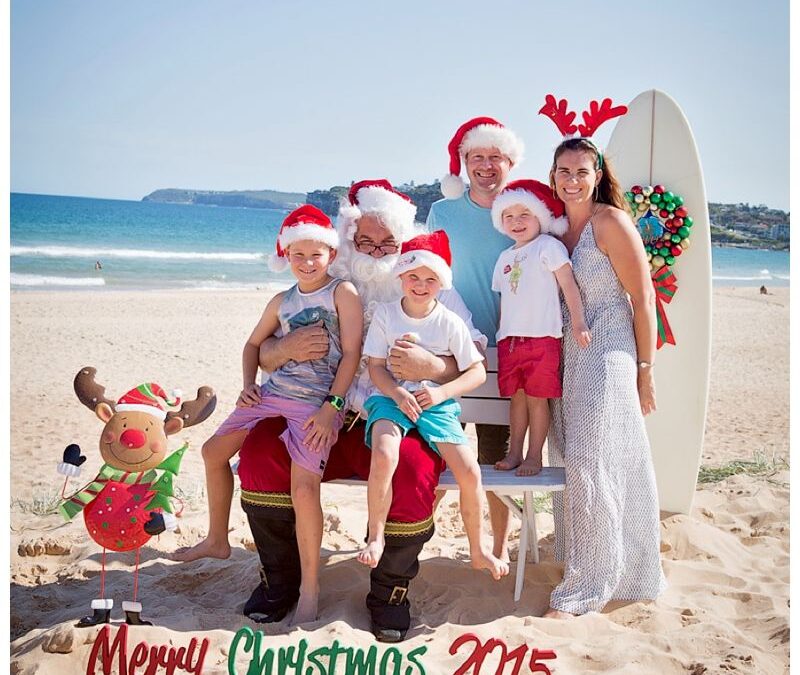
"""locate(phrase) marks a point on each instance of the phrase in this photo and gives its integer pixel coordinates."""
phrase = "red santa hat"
(304, 223)
(539, 199)
(427, 250)
(479, 132)
(377, 197)
(149, 398)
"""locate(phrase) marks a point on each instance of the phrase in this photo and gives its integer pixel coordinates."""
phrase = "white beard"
(373, 278)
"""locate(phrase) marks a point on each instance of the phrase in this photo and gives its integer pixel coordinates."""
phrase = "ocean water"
(56, 241)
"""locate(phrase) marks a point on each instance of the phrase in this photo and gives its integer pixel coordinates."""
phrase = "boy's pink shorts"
(531, 364)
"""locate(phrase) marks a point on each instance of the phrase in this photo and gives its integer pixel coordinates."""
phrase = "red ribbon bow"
(665, 285)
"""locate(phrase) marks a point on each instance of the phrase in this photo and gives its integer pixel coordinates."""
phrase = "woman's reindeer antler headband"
(592, 118)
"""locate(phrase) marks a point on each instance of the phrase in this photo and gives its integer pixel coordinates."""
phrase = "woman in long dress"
(607, 523)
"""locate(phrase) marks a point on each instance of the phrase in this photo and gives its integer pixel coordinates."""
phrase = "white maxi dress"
(607, 521)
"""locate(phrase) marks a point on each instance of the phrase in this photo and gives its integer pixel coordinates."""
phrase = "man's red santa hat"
(304, 223)
(378, 198)
(538, 198)
(479, 132)
(427, 250)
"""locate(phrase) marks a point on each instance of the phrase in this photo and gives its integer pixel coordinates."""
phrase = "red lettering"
(107, 651)
(480, 651)
(537, 654)
(138, 657)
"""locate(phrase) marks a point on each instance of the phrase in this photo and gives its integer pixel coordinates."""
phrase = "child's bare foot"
(371, 554)
(556, 614)
(307, 607)
(205, 549)
(512, 461)
(530, 467)
(483, 560)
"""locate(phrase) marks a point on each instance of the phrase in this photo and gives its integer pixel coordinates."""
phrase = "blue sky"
(118, 99)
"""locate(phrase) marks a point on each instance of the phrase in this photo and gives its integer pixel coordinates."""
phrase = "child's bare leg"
(386, 437)
(217, 452)
(308, 525)
(464, 466)
(518, 423)
(539, 415)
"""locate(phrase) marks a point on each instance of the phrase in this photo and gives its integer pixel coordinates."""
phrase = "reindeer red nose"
(133, 438)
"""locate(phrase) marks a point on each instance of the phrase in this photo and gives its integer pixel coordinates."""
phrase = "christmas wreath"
(664, 224)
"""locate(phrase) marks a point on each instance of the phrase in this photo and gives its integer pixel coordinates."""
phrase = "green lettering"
(358, 662)
(412, 657)
(313, 660)
(397, 657)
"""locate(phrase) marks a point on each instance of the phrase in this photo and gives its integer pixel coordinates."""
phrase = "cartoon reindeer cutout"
(128, 501)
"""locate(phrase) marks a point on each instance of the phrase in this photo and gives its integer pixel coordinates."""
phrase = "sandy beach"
(727, 563)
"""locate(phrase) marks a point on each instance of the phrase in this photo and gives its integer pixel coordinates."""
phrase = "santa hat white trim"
(141, 407)
(396, 213)
(102, 603)
(308, 231)
(549, 224)
(131, 606)
(411, 260)
(492, 136)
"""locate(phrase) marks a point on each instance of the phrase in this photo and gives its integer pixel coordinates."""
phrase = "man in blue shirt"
(489, 151)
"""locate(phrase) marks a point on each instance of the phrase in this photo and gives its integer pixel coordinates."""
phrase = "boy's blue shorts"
(438, 424)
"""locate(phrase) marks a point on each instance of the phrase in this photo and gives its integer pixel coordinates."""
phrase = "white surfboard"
(653, 144)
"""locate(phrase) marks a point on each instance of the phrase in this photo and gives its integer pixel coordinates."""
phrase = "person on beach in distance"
(424, 268)
(527, 276)
(372, 222)
(610, 533)
(308, 395)
(488, 151)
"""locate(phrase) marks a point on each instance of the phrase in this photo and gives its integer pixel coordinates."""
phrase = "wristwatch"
(336, 401)
(646, 364)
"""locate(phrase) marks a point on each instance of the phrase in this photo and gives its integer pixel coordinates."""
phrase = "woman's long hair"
(608, 190)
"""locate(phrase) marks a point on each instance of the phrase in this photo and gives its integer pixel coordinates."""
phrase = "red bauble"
(681, 212)
(676, 250)
(659, 189)
(678, 222)
(663, 213)
(636, 189)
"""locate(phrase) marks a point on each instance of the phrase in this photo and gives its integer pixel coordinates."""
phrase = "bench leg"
(529, 518)
(523, 551)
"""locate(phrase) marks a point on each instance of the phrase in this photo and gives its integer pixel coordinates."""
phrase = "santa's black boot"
(132, 611)
(387, 600)
(101, 613)
(276, 543)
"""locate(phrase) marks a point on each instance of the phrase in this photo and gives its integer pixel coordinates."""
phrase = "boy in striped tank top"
(309, 395)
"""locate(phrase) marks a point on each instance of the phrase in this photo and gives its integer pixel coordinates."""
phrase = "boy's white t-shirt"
(442, 333)
(529, 302)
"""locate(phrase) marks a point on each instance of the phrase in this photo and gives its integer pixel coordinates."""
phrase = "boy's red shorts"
(531, 364)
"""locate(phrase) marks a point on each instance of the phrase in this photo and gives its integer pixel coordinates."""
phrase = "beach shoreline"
(727, 562)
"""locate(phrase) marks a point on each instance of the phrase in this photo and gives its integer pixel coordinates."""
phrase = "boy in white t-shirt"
(398, 407)
(528, 276)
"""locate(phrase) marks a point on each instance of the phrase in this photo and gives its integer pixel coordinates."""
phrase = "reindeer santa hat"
(149, 398)
(540, 201)
(479, 132)
(379, 198)
(304, 223)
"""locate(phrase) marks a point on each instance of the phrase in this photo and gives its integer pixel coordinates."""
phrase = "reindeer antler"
(89, 392)
(557, 111)
(194, 412)
(597, 114)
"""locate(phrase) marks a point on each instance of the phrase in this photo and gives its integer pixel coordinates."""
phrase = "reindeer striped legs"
(101, 607)
(133, 609)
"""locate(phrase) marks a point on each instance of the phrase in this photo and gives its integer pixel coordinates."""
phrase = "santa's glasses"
(368, 247)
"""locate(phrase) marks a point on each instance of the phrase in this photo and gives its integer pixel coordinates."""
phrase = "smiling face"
(520, 224)
(309, 261)
(420, 286)
(487, 170)
(133, 441)
(373, 238)
(575, 177)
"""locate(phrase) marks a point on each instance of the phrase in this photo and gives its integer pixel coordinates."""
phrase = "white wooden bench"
(484, 405)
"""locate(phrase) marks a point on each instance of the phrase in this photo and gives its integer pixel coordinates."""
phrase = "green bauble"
(670, 260)
(663, 251)
(678, 201)
(683, 231)
(668, 196)
(655, 198)
(629, 196)
(675, 238)
(670, 206)
(688, 222)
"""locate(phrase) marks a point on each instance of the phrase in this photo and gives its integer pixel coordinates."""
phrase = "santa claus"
(373, 222)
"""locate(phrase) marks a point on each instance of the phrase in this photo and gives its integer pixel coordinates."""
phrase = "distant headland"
(740, 225)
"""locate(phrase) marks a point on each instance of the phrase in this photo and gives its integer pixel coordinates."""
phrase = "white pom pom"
(170, 521)
(557, 226)
(452, 187)
(176, 394)
(277, 264)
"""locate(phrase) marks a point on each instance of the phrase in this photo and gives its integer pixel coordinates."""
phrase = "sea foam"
(40, 280)
(103, 253)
